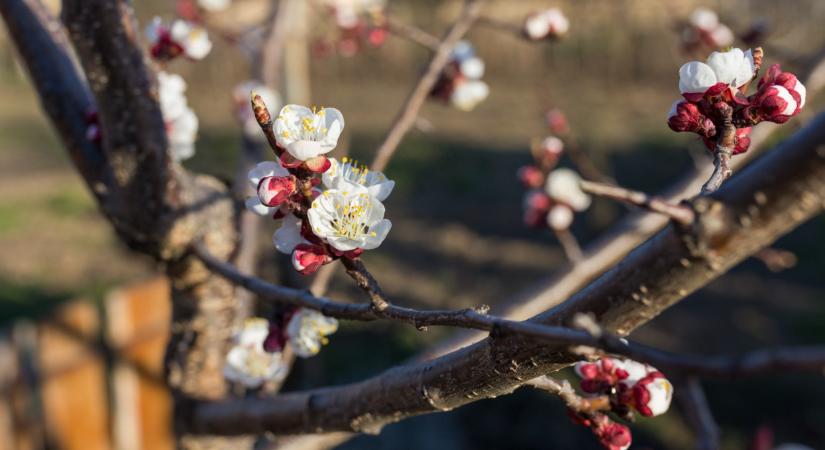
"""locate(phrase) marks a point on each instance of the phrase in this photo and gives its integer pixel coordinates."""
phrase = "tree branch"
(633, 230)
(698, 413)
(413, 34)
(680, 213)
(405, 119)
(43, 48)
(765, 201)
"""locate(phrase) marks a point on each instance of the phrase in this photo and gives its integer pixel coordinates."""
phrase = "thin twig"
(679, 213)
(565, 391)
(723, 152)
(789, 359)
(570, 245)
(693, 400)
(409, 110)
(500, 25)
(413, 33)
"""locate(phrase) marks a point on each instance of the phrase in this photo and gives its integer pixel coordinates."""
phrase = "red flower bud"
(614, 436)
(531, 176)
(743, 140)
(685, 116)
(272, 191)
(276, 339)
(308, 258)
(557, 122)
(775, 103)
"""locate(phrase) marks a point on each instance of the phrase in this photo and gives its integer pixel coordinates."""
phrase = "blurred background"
(84, 320)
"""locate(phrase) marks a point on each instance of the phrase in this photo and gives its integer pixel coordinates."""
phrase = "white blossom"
(243, 107)
(734, 68)
(308, 330)
(181, 121)
(463, 50)
(550, 22)
(704, 19)
(342, 175)
(560, 217)
(349, 219)
(214, 5)
(248, 363)
(192, 38)
(563, 185)
(661, 394)
(305, 133)
(472, 68)
(469, 93)
(263, 169)
(288, 235)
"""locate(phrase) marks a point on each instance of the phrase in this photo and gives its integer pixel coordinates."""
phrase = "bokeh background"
(66, 283)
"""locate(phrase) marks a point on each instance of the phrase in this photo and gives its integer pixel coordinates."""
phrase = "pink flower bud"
(614, 436)
(557, 121)
(531, 176)
(652, 394)
(272, 191)
(775, 103)
(537, 199)
(308, 258)
(276, 339)
(552, 147)
(685, 117)
(743, 140)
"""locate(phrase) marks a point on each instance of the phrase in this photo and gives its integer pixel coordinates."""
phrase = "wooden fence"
(90, 376)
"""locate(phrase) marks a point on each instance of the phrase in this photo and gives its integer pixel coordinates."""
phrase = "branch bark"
(405, 119)
(765, 201)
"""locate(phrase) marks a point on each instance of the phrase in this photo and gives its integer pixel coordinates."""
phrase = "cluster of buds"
(180, 38)
(359, 23)
(554, 194)
(257, 356)
(329, 209)
(623, 386)
(243, 110)
(180, 120)
(716, 105)
(548, 24)
(460, 82)
(703, 29)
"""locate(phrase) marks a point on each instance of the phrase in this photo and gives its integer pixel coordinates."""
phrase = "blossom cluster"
(554, 195)
(703, 29)
(460, 82)
(358, 23)
(716, 105)
(329, 209)
(180, 120)
(629, 386)
(550, 23)
(179, 38)
(257, 355)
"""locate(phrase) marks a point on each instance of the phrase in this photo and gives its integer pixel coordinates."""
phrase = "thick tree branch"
(405, 119)
(765, 201)
(43, 48)
(629, 233)
(145, 190)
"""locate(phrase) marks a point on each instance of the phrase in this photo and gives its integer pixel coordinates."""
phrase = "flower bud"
(560, 217)
(557, 121)
(614, 436)
(308, 258)
(743, 140)
(774, 103)
(531, 176)
(552, 147)
(685, 116)
(272, 191)
(652, 395)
